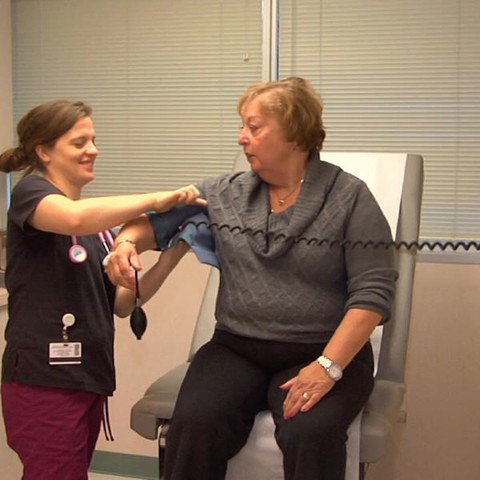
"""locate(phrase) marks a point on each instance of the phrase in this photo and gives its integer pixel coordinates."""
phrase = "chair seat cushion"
(260, 454)
(378, 419)
(157, 403)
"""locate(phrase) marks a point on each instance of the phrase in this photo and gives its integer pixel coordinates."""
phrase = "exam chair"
(260, 458)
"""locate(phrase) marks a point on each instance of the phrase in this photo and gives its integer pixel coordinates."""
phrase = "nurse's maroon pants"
(53, 430)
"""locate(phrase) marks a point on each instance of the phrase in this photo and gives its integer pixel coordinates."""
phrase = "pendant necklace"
(282, 201)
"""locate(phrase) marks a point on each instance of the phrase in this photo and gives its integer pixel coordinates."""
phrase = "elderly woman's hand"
(122, 263)
(306, 389)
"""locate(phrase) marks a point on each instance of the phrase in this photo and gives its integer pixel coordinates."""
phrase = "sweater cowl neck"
(244, 201)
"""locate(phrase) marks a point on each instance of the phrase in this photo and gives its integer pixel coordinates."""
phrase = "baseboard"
(125, 465)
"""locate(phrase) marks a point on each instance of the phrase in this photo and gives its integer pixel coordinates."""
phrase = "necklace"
(283, 200)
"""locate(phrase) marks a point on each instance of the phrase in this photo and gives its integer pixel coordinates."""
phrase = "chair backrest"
(396, 180)
(206, 316)
(393, 351)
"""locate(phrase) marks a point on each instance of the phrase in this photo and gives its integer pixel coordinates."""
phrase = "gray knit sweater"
(276, 281)
(275, 286)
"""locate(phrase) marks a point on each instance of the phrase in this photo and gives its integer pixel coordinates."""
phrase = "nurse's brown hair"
(42, 125)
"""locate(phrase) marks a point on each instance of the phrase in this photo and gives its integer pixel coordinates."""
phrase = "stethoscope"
(78, 253)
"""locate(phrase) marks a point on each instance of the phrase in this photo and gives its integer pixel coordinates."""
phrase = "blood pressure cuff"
(187, 223)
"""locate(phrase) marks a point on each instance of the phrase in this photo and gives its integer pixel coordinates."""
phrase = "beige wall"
(8, 461)
(441, 439)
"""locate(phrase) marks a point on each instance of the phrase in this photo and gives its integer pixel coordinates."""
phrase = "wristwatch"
(334, 370)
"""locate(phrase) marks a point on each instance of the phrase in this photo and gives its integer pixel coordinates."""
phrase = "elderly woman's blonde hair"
(295, 105)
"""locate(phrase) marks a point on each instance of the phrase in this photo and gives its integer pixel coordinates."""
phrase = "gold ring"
(306, 395)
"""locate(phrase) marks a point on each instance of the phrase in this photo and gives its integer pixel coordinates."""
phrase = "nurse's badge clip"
(66, 352)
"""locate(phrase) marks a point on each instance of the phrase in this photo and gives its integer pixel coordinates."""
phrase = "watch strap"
(334, 370)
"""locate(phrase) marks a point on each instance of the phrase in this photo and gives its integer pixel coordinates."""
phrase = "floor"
(98, 476)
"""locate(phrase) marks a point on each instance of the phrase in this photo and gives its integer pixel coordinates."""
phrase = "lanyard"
(78, 253)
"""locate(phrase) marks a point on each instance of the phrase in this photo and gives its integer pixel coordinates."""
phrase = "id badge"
(65, 353)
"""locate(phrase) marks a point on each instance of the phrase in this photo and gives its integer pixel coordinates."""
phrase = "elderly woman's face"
(263, 140)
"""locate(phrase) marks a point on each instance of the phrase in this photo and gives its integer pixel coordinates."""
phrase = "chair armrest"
(158, 403)
(380, 415)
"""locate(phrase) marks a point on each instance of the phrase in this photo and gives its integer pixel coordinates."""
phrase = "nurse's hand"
(188, 195)
(122, 263)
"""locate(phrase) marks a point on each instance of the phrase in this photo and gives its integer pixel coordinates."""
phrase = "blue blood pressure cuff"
(187, 223)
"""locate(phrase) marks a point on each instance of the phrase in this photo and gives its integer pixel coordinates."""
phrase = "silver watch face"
(335, 372)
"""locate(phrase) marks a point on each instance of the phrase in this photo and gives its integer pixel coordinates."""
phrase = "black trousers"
(231, 379)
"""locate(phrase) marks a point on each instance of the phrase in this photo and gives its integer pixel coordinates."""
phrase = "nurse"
(58, 365)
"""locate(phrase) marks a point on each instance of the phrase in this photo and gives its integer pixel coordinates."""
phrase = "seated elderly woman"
(293, 318)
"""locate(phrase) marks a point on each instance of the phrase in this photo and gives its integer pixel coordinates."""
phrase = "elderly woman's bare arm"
(150, 281)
